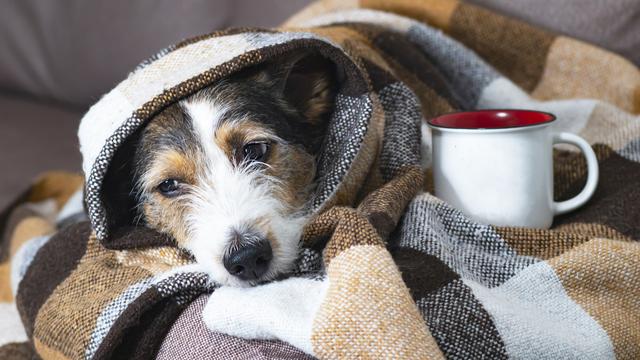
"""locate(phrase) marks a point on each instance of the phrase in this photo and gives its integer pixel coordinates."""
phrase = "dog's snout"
(249, 261)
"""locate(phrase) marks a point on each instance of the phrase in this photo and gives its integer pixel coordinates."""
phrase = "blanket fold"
(386, 269)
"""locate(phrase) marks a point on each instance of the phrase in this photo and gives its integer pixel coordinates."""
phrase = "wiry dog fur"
(223, 197)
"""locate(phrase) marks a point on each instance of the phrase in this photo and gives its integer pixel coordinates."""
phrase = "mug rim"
(548, 119)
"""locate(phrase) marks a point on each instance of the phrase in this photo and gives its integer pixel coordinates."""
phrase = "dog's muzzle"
(250, 260)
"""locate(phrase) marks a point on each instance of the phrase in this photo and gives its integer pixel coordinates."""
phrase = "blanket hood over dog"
(352, 145)
(387, 270)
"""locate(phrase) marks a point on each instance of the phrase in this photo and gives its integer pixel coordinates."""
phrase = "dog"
(230, 171)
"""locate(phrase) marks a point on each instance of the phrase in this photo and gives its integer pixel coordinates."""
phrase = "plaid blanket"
(387, 270)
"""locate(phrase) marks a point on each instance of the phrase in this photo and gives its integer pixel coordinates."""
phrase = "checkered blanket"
(387, 269)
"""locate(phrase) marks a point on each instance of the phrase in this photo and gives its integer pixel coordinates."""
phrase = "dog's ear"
(308, 82)
(118, 195)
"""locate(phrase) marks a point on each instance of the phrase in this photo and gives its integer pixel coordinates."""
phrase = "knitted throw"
(387, 270)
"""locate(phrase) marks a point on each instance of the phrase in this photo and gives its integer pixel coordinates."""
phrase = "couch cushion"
(77, 52)
(613, 25)
(189, 338)
(34, 138)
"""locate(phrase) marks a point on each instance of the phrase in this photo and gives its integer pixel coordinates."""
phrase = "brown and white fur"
(229, 171)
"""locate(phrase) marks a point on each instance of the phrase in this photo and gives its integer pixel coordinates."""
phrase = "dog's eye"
(255, 151)
(169, 187)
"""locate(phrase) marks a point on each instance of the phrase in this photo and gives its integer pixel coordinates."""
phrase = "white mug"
(496, 166)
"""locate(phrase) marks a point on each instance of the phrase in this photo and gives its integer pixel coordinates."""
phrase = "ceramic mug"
(496, 166)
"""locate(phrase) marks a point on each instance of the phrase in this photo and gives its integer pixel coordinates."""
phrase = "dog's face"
(229, 171)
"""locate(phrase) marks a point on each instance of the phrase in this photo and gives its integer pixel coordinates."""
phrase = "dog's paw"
(282, 310)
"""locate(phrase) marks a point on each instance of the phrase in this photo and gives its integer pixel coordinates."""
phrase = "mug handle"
(592, 173)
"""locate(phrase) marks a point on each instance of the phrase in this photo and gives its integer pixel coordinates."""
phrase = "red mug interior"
(491, 119)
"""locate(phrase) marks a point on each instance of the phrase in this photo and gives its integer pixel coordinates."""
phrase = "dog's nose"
(250, 261)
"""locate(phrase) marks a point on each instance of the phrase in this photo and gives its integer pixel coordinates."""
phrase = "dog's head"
(229, 171)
